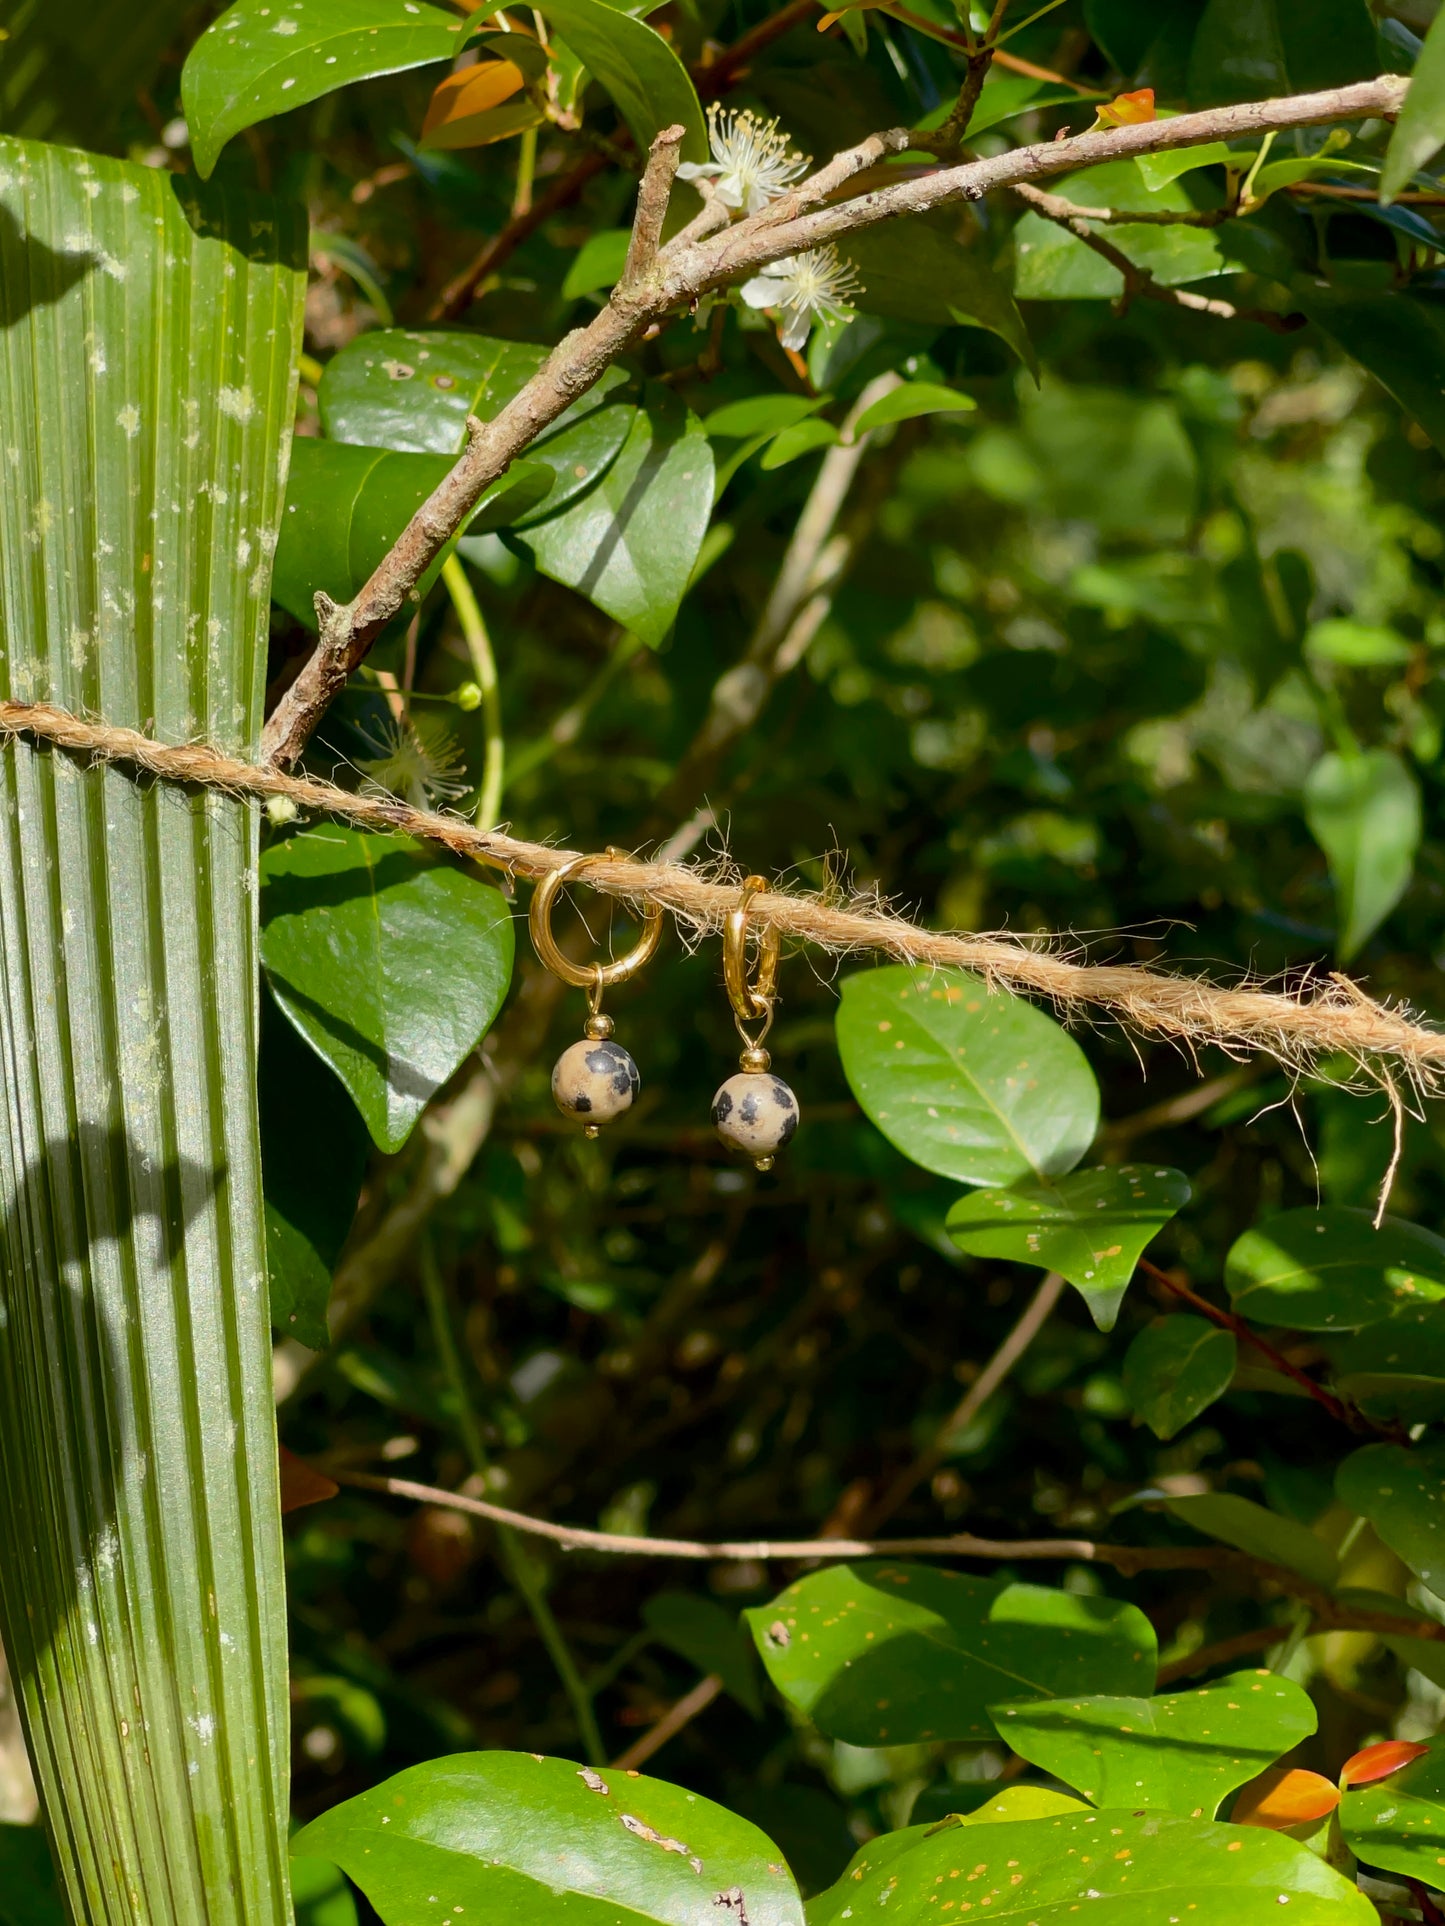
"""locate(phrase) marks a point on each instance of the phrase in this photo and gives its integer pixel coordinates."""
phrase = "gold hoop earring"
(754, 1111)
(595, 1080)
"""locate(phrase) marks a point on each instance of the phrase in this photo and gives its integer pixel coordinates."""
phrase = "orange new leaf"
(302, 1484)
(473, 91)
(1128, 110)
(1285, 1796)
(1379, 1761)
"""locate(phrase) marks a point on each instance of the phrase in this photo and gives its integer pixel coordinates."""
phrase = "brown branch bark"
(672, 1721)
(652, 202)
(682, 274)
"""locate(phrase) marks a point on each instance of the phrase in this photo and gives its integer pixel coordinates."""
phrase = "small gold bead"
(598, 1027)
(762, 1163)
(755, 1058)
(592, 1130)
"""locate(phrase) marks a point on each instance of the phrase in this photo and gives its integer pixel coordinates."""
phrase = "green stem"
(311, 370)
(484, 669)
(568, 725)
(515, 1558)
(526, 173)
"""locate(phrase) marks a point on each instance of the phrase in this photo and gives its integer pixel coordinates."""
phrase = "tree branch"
(652, 200)
(685, 273)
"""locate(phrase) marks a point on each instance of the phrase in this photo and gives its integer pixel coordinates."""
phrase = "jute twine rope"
(1331, 1018)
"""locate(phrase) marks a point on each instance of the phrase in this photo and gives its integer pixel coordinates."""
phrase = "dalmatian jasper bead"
(595, 1081)
(755, 1112)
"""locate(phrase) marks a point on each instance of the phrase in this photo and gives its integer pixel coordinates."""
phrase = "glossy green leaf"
(911, 399)
(1051, 264)
(1176, 1368)
(1090, 1226)
(321, 1893)
(1396, 1368)
(894, 1654)
(29, 1895)
(760, 415)
(68, 71)
(346, 505)
(1158, 170)
(969, 1083)
(1417, 1649)
(645, 78)
(1004, 97)
(1398, 1824)
(412, 391)
(1331, 1270)
(709, 1637)
(149, 330)
(913, 272)
(1113, 1868)
(1015, 1803)
(1261, 1533)
(1364, 812)
(1182, 1751)
(515, 1840)
(1419, 132)
(1356, 645)
(598, 263)
(313, 1157)
(630, 543)
(1399, 338)
(1255, 49)
(803, 438)
(258, 60)
(391, 965)
(1402, 1493)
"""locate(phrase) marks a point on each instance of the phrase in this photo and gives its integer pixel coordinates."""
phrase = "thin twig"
(1035, 1315)
(1226, 1651)
(652, 199)
(1297, 1030)
(671, 1723)
(683, 274)
(484, 670)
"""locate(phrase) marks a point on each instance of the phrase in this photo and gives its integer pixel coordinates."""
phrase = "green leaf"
(313, 1157)
(321, 1893)
(345, 506)
(1004, 97)
(258, 60)
(630, 543)
(1090, 1226)
(645, 78)
(1364, 812)
(411, 391)
(803, 438)
(391, 965)
(1176, 1368)
(1253, 49)
(1398, 1824)
(1399, 338)
(970, 1083)
(913, 272)
(1158, 170)
(1421, 1653)
(29, 1895)
(1183, 1752)
(517, 1840)
(147, 383)
(1331, 1270)
(1419, 131)
(598, 263)
(712, 1639)
(760, 415)
(1356, 645)
(912, 399)
(1402, 1493)
(67, 72)
(1113, 1868)
(1396, 1368)
(1259, 1532)
(1051, 264)
(896, 1654)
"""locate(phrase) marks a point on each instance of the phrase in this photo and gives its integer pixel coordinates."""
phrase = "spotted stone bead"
(755, 1112)
(595, 1081)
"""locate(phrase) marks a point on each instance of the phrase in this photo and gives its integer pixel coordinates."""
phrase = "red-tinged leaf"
(303, 1484)
(1379, 1761)
(475, 90)
(1128, 110)
(1285, 1796)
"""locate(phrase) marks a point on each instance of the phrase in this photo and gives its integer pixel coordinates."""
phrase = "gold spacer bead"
(598, 1027)
(755, 1058)
(762, 1163)
(592, 1130)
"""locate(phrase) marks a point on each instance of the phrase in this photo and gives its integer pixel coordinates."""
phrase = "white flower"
(751, 160)
(805, 288)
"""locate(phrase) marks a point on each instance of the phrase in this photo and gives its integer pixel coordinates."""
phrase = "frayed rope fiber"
(1336, 1018)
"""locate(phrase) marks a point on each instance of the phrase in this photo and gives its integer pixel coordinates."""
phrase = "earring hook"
(593, 977)
(752, 1002)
